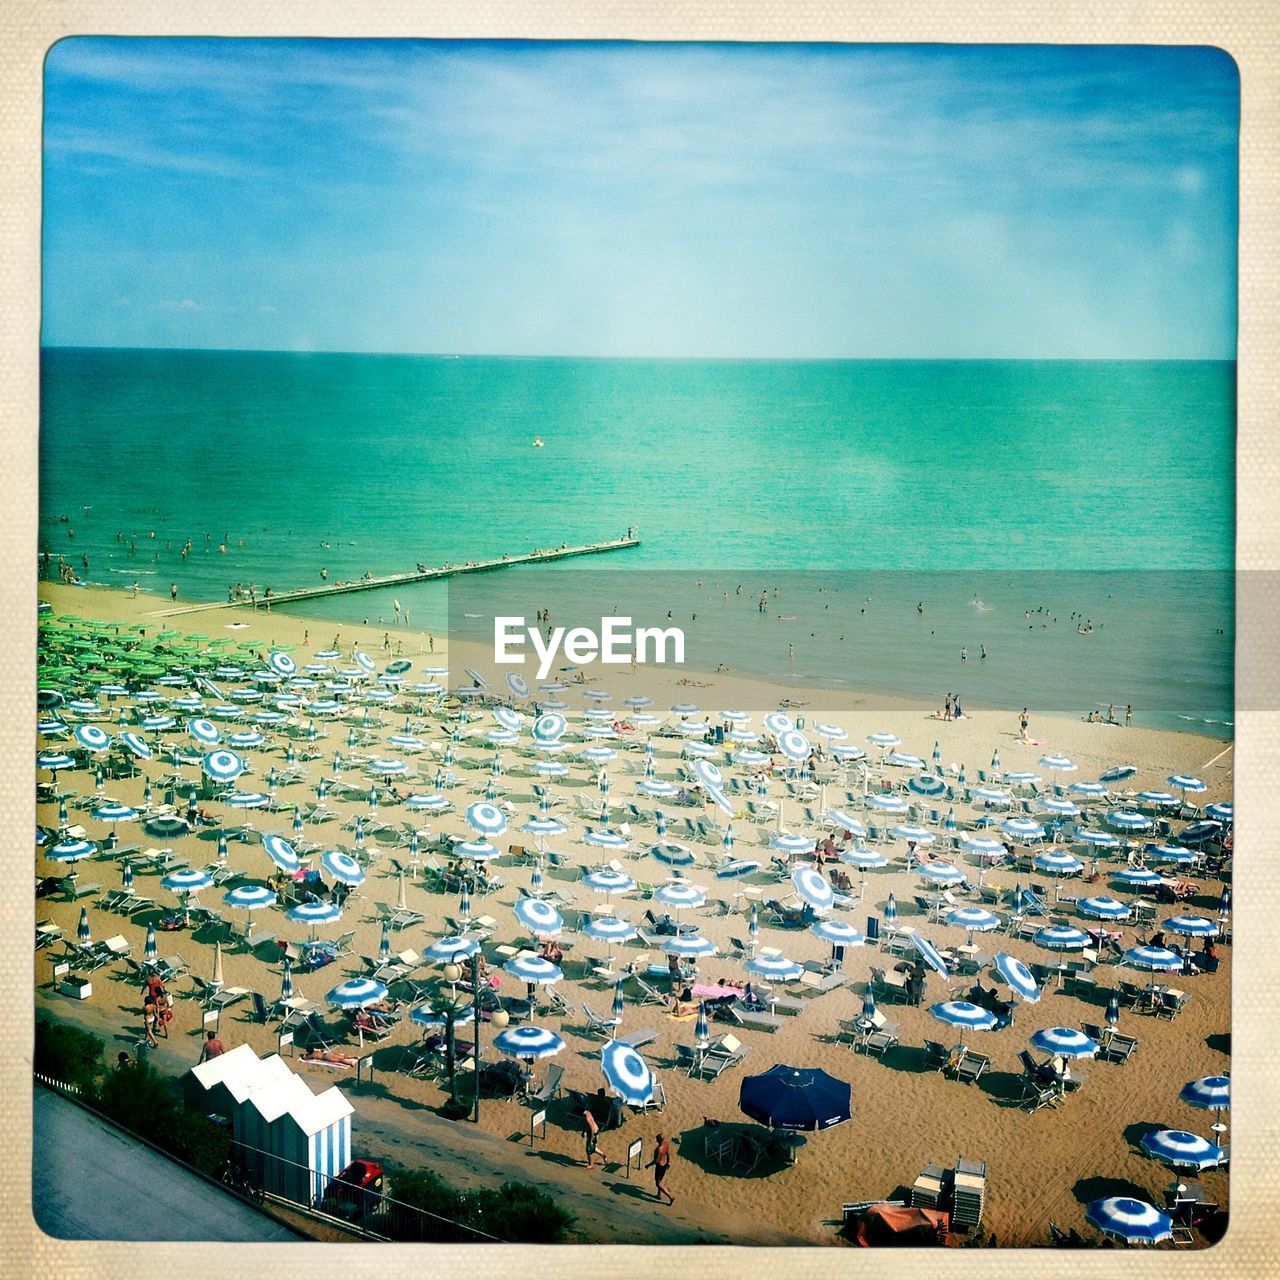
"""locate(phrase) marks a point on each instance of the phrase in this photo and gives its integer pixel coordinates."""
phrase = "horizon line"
(536, 355)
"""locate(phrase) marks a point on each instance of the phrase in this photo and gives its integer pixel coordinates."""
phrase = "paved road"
(90, 1182)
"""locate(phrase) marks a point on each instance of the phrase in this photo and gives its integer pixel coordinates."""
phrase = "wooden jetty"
(369, 583)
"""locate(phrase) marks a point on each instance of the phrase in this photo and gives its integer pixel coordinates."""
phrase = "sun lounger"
(595, 1022)
(821, 982)
(723, 1052)
(971, 1066)
(399, 917)
(752, 1018)
(647, 994)
(638, 1039)
(73, 890)
(937, 1056)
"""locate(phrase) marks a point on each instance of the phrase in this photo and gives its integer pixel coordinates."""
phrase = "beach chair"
(723, 1052)
(549, 1090)
(556, 1001)
(1171, 1003)
(971, 1066)
(937, 1057)
(399, 917)
(889, 987)
(822, 982)
(309, 1031)
(46, 932)
(647, 994)
(755, 1019)
(638, 1039)
(605, 1026)
(73, 890)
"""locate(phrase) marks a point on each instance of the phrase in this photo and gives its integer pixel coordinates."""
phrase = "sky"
(644, 200)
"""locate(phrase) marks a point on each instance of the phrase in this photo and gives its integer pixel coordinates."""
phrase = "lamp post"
(499, 1018)
(452, 973)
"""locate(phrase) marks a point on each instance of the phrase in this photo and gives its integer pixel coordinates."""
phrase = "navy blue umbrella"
(796, 1098)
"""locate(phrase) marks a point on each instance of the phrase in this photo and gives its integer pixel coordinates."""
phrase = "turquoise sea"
(991, 488)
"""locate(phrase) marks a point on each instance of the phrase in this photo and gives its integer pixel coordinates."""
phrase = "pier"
(405, 579)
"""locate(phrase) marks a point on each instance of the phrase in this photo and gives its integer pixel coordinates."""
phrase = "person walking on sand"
(173, 591)
(661, 1164)
(212, 1047)
(591, 1138)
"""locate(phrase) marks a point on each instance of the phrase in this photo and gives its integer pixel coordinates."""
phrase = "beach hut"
(219, 1086)
(314, 1138)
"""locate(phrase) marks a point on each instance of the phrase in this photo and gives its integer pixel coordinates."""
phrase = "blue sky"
(641, 200)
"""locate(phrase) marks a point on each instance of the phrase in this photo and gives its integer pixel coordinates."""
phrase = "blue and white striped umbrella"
(991, 795)
(83, 934)
(126, 875)
(550, 768)
(223, 765)
(1102, 907)
(550, 726)
(281, 853)
(1170, 853)
(246, 738)
(91, 737)
(249, 897)
(1192, 926)
(702, 751)
(627, 1073)
(1022, 982)
(707, 771)
(1182, 1150)
(135, 745)
(507, 718)
(1099, 839)
(528, 1042)
(610, 929)
(637, 700)
(71, 850)
(149, 948)
(246, 799)
(1022, 829)
(656, 787)
(501, 738)
(1186, 783)
(386, 767)
(54, 760)
(1059, 764)
(1061, 937)
(842, 818)
(1021, 778)
(597, 755)
(1152, 959)
(427, 803)
(936, 756)
(685, 709)
(533, 969)
(929, 953)
(1059, 808)
(680, 895)
(673, 854)
(282, 664)
(486, 818)
(778, 722)
(1137, 877)
(1212, 1093)
(1157, 799)
(753, 922)
(891, 909)
(464, 903)
(1112, 1014)
(1092, 790)
(832, 732)
(538, 916)
(983, 846)
(813, 887)
(1128, 820)
(793, 744)
(883, 739)
(158, 723)
(846, 753)
(1134, 1221)
(188, 880)
(1221, 812)
(865, 859)
(887, 803)
(1058, 862)
(314, 912)
(115, 813)
(838, 932)
(975, 919)
(701, 1033)
(940, 873)
(775, 968)
(365, 662)
(691, 946)
(516, 683)
(926, 784)
(749, 757)
(1066, 1042)
(789, 843)
(544, 827)
(357, 993)
(604, 839)
(1199, 832)
(719, 799)
(222, 848)
(960, 1013)
(912, 832)
(454, 947)
(904, 760)
(286, 981)
(64, 817)
(476, 850)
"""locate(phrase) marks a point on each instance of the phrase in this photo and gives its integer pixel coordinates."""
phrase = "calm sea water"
(1020, 479)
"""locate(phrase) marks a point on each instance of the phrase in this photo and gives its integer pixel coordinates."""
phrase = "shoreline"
(422, 643)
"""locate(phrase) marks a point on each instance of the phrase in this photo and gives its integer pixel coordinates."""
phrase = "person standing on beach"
(661, 1164)
(1023, 722)
(173, 591)
(1128, 715)
(212, 1047)
(591, 1137)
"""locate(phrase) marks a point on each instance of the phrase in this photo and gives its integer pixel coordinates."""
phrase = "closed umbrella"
(83, 935)
(149, 946)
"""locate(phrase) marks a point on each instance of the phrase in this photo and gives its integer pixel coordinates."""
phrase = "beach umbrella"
(604, 839)
(1091, 790)
(1186, 783)
(1137, 877)
(902, 760)
(314, 912)
(942, 873)
(281, 853)
(71, 850)
(188, 880)
(974, 919)
(926, 784)
(384, 944)
(1157, 799)
(135, 745)
(679, 895)
(216, 980)
(753, 923)
(1021, 980)
(991, 795)
(83, 935)
(342, 867)
(477, 850)
(813, 887)
(1021, 778)
(204, 731)
(887, 803)
(64, 818)
(1065, 1042)
(1059, 764)
(884, 740)
(995, 761)
(627, 1073)
(286, 981)
(516, 683)
(749, 757)
(1221, 812)
(1128, 820)
(1113, 1009)
(936, 757)
(775, 968)
(863, 858)
(528, 1042)
(1152, 959)
(1212, 1093)
(692, 946)
(1170, 853)
(846, 820)
(464, 903)
(1134, 1221)
(487, 819)
(222, 765)
(796, 1098)
(1199, 832)
(1192, 926)
(983, 846)
(533, 969)
(91, 737)
(1061, 937)
(913, 833)
(550, 727)
(1182, 1150)
(1022, 829)
(54, 760)
(149, 945)
(1103, 908)
(126, 875)
(930, 954)
(786, 842)
(610, 929)
(537, 916)
(357, 993)
(1058, 862)
(891, 909)
(1059, 808)
(869, 1002)
(618, 1002)
(837, 932)
(793, 744)
(963, 1014)
(701, 1033)
(99, 780)
(454, 947)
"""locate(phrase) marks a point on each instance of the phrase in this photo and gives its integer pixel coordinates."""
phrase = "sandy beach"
(1042, 1167)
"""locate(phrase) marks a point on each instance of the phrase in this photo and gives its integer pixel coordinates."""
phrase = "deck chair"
(399, 917)
(1171, 1003)
(1119, 1048)
(721, 1053)
(881, 1041)
(556, 1001)
(309, 1031)
(971, 1066)
(751, 1018)
(595, 1022)
(638, 1039)
(549, 1090)
(936, 1056)
(647, 994)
